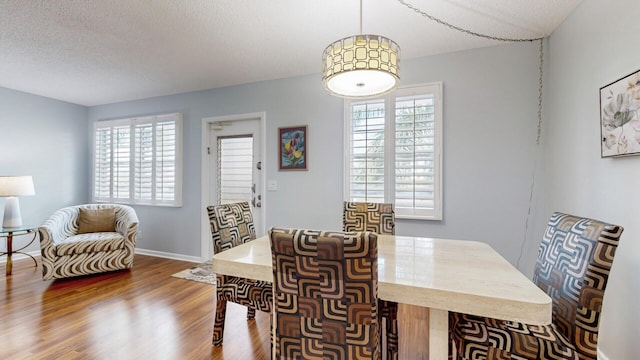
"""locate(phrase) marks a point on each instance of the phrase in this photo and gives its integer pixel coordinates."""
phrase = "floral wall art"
(620, 116)
(293, 148)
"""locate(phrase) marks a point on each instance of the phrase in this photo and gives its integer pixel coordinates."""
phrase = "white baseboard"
(166, 255)
(14, 256)
(602, 356)
(193, 259)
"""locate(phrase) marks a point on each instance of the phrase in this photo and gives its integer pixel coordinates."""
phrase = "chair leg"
(251, 312)
(218, 325)
(271, 332)
(452, 344)
(392, 339)
(389, 313)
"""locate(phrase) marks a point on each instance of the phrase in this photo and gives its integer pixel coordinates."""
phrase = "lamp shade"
(16, 186)
(361, 66)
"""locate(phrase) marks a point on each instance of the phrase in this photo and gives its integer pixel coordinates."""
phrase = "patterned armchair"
(379, 218)
(326, 290)
(232, 225)
(573, 265)
(68, 252)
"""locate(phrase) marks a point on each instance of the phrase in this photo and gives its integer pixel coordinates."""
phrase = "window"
(393, 151)
(235, 169)
(139, 160)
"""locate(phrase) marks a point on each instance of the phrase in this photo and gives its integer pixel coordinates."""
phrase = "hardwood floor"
(139, 314)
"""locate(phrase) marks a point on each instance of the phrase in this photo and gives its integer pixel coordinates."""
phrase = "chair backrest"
(361, 216)
(573, 265)
(231, 225)
(326, 294)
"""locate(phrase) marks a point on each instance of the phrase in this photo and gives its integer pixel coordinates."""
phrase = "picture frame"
(293, 152)
(620, 117)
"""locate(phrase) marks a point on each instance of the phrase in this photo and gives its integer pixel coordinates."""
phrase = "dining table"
(442, 275)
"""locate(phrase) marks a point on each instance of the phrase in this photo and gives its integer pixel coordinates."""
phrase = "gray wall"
(46, 139)
(596, 45)
(490, 129)
(490, 109)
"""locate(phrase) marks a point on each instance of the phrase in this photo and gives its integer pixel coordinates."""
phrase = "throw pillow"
(99, 220)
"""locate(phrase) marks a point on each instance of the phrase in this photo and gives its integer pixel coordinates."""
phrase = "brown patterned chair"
(573, 265)
(326, 292)
(378, 218)
(232, 225)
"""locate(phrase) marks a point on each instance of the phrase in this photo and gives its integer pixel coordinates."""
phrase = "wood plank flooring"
(143, 313)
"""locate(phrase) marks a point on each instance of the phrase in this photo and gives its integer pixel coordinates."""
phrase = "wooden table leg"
(438, 334)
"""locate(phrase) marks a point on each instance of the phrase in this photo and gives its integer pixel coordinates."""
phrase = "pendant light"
(361, 66)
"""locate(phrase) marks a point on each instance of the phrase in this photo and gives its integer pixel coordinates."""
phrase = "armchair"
(104, 244)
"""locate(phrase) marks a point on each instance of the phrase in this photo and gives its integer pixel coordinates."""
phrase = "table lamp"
(11, 187)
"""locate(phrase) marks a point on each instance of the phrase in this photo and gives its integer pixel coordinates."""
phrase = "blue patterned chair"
(232, 225)
(326, 292)
(573, 265)
(87, 239)
(380, 219)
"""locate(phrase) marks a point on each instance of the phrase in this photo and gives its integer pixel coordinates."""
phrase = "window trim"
(434, 88)
(132, 122)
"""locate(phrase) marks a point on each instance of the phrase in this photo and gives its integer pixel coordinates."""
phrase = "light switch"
(272, 185)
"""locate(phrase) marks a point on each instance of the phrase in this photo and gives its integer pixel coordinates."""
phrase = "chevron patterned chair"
(326, 292)
(232, 225)
(378, 218)
(573, 265)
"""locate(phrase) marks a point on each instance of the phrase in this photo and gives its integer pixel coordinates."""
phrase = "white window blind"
(235, 169)
(393, 148)
(102, 163)
(415, 154)
(367, 168)
(139, 160)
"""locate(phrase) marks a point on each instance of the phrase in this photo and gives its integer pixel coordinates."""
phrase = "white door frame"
(205, 191)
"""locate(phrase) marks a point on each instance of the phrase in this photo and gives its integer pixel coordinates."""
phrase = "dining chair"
(378, 218)
(574, 260)
(326, 293)
(232, 225)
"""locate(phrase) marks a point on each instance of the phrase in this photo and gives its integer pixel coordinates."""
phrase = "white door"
(235, 165)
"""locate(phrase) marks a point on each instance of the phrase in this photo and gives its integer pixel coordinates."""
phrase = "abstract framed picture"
(293, 148)
(620, 117)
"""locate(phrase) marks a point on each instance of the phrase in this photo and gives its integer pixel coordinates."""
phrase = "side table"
(9, 233)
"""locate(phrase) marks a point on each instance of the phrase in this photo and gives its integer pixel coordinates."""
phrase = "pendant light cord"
(451, 26)
(490, 37)
(540, 78)
(360, 17)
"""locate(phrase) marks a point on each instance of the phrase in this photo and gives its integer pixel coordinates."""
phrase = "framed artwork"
(620, 116)
(293, 148)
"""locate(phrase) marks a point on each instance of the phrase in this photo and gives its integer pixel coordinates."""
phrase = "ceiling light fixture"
(361, 66)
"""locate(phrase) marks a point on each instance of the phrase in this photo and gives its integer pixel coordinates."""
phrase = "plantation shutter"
(102, 163)
(392, 151)
(138, 160)
(235, 167)
(121, 159)
(367, 170)
(143, 184)
(166, 162)
(414, 154)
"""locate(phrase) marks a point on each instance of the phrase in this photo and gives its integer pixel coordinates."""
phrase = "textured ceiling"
(93, 52)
